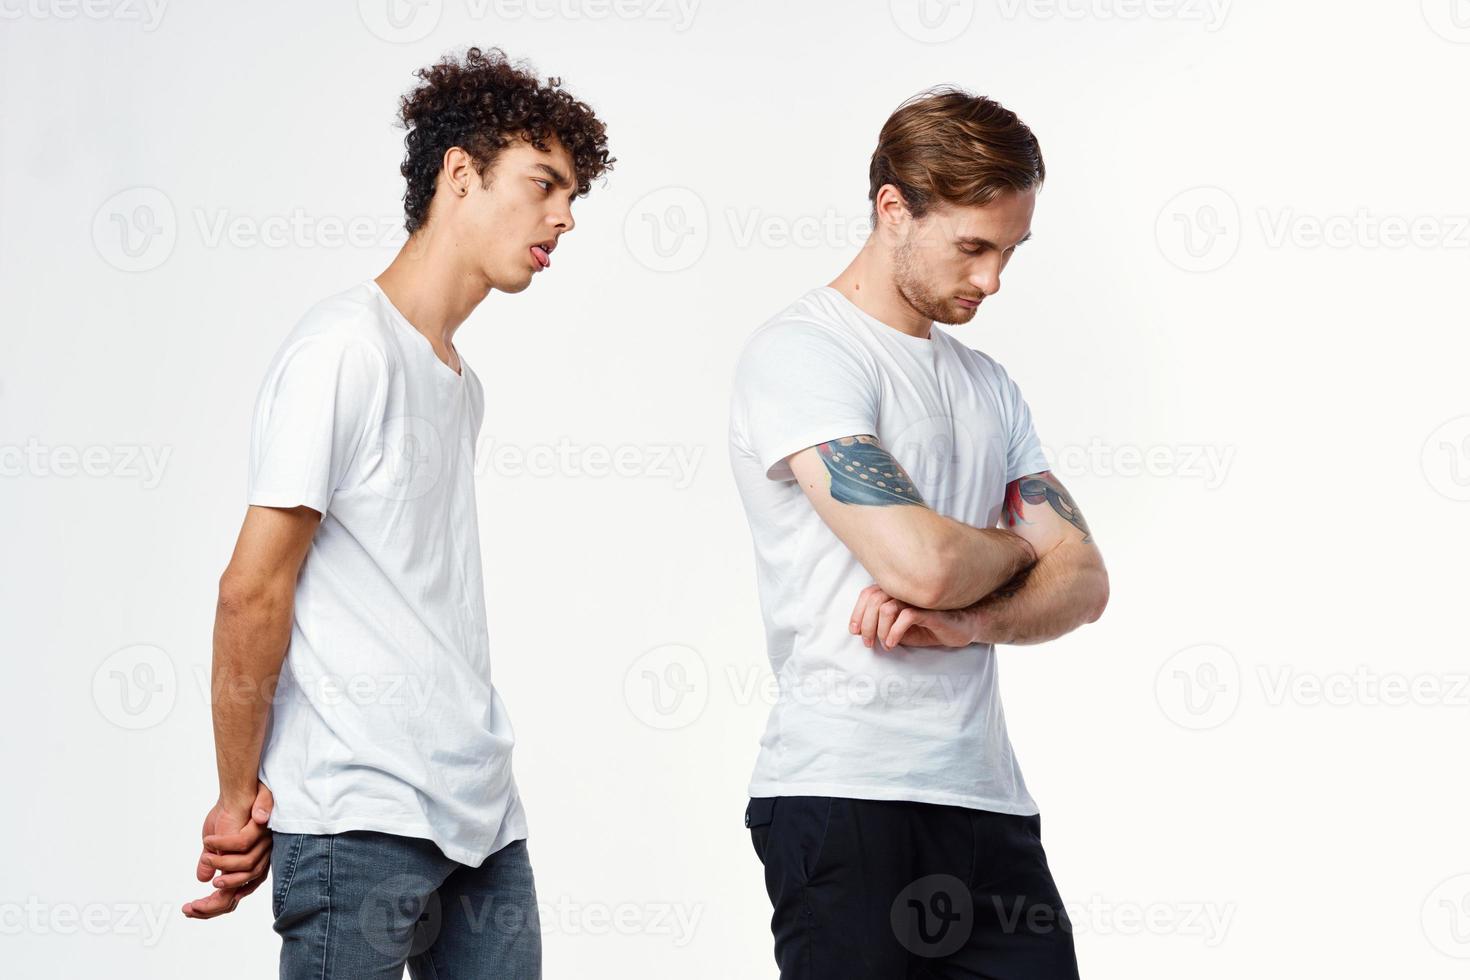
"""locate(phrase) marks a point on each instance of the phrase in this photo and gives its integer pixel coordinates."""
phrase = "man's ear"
(458, 170)
(889, 209)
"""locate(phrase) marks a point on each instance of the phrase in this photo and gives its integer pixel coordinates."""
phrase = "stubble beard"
(916, 292)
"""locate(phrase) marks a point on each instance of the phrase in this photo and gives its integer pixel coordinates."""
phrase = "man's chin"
(955, 314)
(509, 285)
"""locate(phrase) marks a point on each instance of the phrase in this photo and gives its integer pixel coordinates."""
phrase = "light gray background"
(1240, 327)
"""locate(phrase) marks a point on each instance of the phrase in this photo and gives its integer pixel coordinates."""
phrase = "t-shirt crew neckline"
(402, 321)
(926, 343)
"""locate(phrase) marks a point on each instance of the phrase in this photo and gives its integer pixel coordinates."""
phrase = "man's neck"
(868, 283)
(431, 290)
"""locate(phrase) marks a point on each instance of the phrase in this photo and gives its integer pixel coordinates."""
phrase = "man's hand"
(880, 618)
(237, 843)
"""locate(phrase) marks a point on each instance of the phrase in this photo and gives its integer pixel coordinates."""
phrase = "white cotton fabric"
(385, 718)
(920, 724)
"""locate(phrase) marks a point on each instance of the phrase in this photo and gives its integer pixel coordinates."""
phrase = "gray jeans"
(362, 904)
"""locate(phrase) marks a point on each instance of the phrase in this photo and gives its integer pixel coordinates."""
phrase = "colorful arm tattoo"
(1043, 488)
(863, 472)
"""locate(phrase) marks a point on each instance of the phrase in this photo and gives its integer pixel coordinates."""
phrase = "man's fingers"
(202, 870)
(865, 598)
(855, 618)
(240, 879)
(241, 840)
(886, 614)
(265, 802)
(222, 901)
(216, 903)
(870, 620)
(238, 862)
(900, 626)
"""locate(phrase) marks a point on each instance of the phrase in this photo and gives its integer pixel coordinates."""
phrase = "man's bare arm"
(914, 553)
(252, 629)
(1067, 587)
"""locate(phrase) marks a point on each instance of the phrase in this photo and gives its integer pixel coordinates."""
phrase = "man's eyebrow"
(987, 243)
(557, 177)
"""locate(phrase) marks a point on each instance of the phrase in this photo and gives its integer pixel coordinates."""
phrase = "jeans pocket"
(285, 856)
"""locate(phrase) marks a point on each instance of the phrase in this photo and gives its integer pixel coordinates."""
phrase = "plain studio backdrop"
(1240, 327)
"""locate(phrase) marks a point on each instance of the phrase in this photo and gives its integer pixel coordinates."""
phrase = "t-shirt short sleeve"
(798, 385)
(321, 400)
(1023, 449)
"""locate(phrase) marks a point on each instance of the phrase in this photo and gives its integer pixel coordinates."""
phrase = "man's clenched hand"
(236, 843)
(880, 618)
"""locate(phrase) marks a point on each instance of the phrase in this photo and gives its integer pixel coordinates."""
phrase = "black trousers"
(893, 890)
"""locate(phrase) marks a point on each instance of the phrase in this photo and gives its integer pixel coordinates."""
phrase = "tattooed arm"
(1067, 587)
(914, 553)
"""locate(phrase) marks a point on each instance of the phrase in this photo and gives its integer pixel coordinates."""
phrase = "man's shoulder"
(347, 322)
(811, 323)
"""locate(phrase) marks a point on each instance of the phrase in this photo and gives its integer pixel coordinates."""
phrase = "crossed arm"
(938, 582)
(1068, 585)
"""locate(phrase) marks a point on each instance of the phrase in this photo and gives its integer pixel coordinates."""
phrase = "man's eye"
(545, 184)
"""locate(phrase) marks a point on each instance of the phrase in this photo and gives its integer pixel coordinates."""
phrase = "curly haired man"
(351, 658)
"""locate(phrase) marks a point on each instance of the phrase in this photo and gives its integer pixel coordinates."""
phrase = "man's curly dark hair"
(482, 102)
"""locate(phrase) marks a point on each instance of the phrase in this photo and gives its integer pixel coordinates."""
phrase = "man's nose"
(987, 278)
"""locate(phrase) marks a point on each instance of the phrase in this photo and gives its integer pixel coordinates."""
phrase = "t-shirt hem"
(461, 855)
(814, 437)
(1026, 808)
(266, 498)
(1034, 463)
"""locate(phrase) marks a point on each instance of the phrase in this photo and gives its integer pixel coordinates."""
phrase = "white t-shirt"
(914, 723)
(385, 718)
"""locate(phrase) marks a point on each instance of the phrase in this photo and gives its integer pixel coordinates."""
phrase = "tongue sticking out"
(541, 256)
